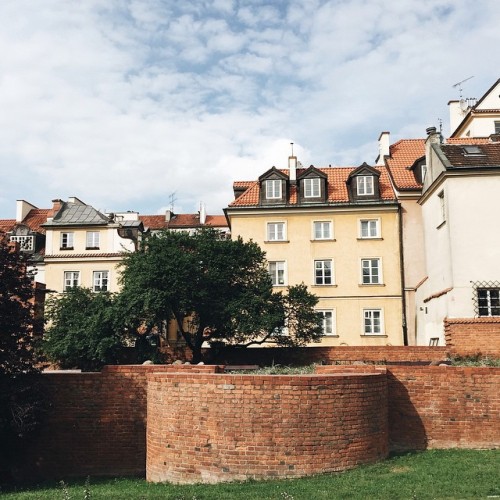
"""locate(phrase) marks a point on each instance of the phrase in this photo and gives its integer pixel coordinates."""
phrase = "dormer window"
(273, 189)
(312, 188)
(365, 185)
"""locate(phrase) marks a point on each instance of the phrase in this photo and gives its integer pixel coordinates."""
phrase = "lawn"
(436, 474)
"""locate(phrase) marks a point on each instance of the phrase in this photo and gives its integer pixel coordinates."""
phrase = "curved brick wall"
(223, 427)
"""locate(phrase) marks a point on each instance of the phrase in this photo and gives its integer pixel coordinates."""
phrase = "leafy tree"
(217, 290)
(83, 330)
(21, 400)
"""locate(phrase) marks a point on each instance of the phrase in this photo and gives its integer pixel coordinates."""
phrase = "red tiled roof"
(179, 221)
(489, 155)
(33, 220)
(403, 155)
(337, 187)
(405, 152)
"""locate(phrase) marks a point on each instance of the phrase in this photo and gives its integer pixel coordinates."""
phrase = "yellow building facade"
(337, 231)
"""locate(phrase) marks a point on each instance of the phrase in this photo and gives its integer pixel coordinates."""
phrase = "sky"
(147, 105)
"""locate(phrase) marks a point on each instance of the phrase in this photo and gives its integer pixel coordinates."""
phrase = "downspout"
(402, 264)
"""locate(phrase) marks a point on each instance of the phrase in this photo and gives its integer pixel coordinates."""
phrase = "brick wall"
(212, 428)
(470, 336)
(348, 354)
(443, 407)
(268, 425)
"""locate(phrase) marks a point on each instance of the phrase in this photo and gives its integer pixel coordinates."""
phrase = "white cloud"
(124, 102)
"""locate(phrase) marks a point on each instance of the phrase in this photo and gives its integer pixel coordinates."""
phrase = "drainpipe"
(402, 264)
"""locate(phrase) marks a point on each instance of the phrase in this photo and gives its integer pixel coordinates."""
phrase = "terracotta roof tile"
(7, 225)
(488, 155)
(403, 155)
(467, 140)
(337, 187)
(182, 221)
(33, 220)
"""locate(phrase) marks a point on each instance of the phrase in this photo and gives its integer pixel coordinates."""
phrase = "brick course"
(471, 336)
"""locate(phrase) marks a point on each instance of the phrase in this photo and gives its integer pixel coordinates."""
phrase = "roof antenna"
(440, 125)
(459, 85)
(172, 199)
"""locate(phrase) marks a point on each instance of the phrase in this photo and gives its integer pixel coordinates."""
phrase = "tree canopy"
(217, 290)
(20, 399)
(83, 329)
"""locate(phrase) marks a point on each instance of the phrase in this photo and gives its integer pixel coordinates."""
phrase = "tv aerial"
(459, 85)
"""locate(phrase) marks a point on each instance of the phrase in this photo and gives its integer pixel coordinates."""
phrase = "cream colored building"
(336, 230)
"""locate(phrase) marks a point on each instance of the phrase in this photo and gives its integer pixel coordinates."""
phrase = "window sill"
(92, 248)
(371, 284)
(323, 239)
(376, 238)
(66, 248)
(376, 335)
(333, 285)
(276, 241)
(330, 335)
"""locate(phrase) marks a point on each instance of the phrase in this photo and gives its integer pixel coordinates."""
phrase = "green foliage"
(21, 401)
(217, 290)
(83, 330)
(476, 360)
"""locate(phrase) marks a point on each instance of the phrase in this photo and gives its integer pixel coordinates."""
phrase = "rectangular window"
(372, 321)
(312, 188)
(100, 281)
(273, 189)
(26, 243)
(276, 231)
(277, 272)
(92, 240)
(370, 270)
(365, 185)
(442, 207)
(71, 279)
(423, 172)
(497, 127)
(323, 272)
(369, 228)
(328, 321)
(488, 301)
(322, 230)
(67, 241)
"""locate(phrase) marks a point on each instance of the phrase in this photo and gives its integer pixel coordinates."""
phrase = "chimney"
(56, 206)
(292, 167)
(383, 147)
(203, 213)
(168, 215)
(458, 110)
(22, 209)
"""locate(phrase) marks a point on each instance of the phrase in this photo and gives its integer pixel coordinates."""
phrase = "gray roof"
(77, 214)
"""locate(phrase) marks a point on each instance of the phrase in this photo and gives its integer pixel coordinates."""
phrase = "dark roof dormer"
(273, 187)
(363, 184)
(419, 169)
(313, 186)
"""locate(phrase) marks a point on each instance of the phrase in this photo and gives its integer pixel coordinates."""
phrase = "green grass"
(437, 474)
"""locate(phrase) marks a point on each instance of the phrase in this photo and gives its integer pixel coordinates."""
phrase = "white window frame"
(312, 187)
(370, 223)
(319, 265)
(423, 172)
(71, 279)
(365, 185)
(370, 325)
(370, 267)
(100, 279)
(319, 232)
(329, 327)
(277, 270)
(276, 231)
(67, 240)
(92, 240)
(274, 189)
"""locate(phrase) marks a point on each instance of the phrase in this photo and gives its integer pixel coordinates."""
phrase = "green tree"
(21, 399)
(82, 330)
(217, 290)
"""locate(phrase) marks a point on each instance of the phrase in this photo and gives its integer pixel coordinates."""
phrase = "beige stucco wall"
(347, 296)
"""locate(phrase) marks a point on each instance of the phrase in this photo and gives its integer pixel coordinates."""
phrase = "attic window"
(273, 189)
(312, 188)
(472, 150)
(365, 185)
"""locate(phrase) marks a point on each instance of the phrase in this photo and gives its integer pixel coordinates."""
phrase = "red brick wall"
(468, 337)
(211, 428)
(307, 355)
(443, 407)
